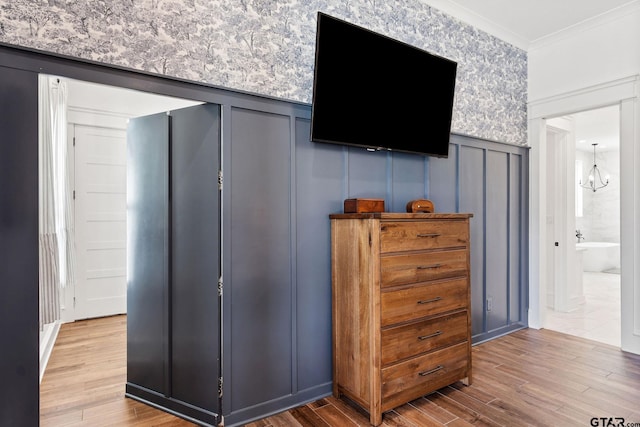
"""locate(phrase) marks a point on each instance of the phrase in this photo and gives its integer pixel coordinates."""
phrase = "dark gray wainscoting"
(278, 192)
(490, 180)
(18, 247)
(279, 189)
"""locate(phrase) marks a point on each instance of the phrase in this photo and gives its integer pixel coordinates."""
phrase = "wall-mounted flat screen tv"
(372, 91)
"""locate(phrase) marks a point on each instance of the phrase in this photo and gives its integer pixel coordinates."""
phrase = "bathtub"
(599, 256)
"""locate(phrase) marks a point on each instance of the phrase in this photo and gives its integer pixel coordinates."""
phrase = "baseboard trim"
(48, 338)
(263, 410)
(172, 406)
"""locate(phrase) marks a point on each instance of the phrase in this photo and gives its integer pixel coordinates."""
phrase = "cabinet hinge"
(220, 285)
(220, 179)
(219, 386)
(370, 242)
(74, 141)
(74, 194)
(74, 302)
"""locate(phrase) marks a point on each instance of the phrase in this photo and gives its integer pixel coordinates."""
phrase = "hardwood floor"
(530, 377)
(83, 384)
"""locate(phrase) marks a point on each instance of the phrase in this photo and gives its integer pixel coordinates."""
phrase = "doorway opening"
(583, 218)
(96, 123)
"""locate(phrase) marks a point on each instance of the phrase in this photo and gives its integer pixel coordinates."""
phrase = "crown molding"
(469, 17)
(598, 20)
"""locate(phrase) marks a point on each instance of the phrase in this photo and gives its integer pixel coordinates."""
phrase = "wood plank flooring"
(84, 382)
(528, 378)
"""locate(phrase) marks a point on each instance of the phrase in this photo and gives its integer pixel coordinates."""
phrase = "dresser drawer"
(402, 342)
(416, 377)
(419, 235)
(422, 300)
(422, 266)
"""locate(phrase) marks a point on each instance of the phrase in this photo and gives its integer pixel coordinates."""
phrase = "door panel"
(100, 212)
(148, 246)
(195, 255)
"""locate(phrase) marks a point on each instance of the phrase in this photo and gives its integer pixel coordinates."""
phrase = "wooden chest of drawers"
(401, 299)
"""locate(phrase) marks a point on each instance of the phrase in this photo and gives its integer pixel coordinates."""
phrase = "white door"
(566, 288)
(100, 218)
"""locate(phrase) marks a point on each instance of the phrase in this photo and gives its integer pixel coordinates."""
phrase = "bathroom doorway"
(585, 301)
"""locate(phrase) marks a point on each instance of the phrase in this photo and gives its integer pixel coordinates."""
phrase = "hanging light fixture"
(595, 179)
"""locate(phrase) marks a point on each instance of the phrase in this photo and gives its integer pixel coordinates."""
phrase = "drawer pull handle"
(431, 371)
(426, 337)
(427, 301)
(428, 235)
(429, 267)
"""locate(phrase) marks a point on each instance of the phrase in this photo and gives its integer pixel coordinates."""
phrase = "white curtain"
(56, 209)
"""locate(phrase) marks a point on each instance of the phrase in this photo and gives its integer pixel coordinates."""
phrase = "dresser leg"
(465, 381)
(336, 392)
(375, 419)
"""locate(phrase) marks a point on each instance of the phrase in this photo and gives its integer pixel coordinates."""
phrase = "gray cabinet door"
(147, 251)
(195, 255)
(173, 223)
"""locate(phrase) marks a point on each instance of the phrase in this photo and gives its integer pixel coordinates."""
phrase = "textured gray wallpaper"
(267, 46)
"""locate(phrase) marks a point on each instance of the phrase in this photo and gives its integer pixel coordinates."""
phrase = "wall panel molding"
(325, 175)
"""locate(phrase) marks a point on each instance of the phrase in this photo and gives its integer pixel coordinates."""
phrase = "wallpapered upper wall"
(267, 46)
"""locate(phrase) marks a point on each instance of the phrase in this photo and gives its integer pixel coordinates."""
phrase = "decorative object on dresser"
(401, 306)
(363, 205)
(420, 205)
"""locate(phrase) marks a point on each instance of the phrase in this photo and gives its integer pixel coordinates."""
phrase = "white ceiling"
(522, 22)
(115, 100)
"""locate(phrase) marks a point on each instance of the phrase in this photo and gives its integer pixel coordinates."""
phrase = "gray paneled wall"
(261, 282)
(18, 247)
(489, 179)
(278, 192)
(280, 189)
(496, 245)
(471, 193)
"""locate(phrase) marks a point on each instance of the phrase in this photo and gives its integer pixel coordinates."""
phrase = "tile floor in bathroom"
(598, 318)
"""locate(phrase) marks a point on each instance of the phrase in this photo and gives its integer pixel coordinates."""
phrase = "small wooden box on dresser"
(401, 306)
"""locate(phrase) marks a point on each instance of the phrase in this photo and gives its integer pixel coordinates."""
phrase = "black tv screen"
(372, 91)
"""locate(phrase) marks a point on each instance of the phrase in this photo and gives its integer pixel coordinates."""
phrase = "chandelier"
(595, 179)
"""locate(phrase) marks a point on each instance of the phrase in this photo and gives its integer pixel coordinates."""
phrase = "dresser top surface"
(400, 215)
